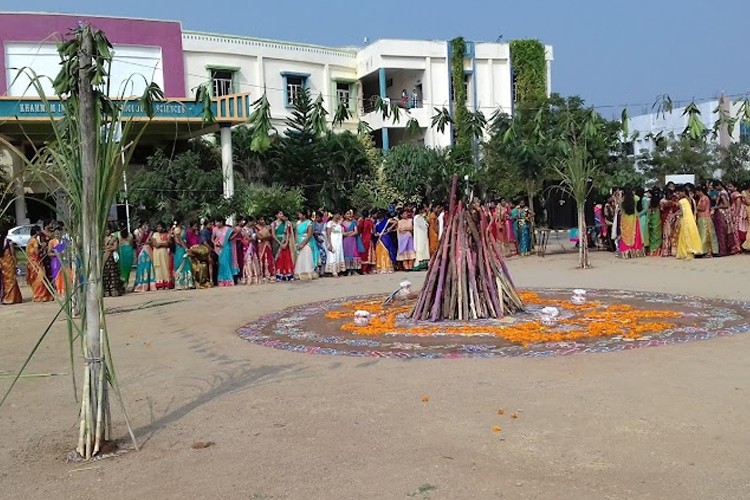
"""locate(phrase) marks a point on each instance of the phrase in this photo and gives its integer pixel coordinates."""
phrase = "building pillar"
(329, 101)
(384, 96)
(227, 166)
(261, 82)
(18, 189)
(549, 78)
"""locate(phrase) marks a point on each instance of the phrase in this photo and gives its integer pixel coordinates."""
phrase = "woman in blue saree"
(183, 270)
(222, 236)
(384, 248)
(145, 275)
(305, 267)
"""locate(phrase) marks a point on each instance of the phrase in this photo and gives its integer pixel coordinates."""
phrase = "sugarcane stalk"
(100, 401)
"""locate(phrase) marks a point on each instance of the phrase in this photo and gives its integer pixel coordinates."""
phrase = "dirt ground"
(662, 422)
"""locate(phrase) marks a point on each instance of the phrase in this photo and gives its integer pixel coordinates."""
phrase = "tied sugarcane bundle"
(467, 277)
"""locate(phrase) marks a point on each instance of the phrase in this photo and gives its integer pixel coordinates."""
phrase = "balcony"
(407, 109)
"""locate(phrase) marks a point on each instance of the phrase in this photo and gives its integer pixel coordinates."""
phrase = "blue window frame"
(293, 84)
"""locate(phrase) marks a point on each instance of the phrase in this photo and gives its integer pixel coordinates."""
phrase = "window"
(222, 82)
(343, 93)
(467, 77)
(744, 132)
(294, 85)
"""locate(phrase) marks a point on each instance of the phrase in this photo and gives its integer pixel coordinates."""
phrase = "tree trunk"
(93, 414)
(583, 240)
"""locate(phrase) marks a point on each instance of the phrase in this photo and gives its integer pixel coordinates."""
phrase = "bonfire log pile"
(467, 277)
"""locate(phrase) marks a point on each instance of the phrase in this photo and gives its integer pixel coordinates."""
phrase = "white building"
(652, 127)
(239, 70)
(385, 68)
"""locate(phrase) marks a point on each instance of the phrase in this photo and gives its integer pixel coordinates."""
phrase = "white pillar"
(261, 82)
(549, 77)
(227, 167)
(18, 189)
(328, 91)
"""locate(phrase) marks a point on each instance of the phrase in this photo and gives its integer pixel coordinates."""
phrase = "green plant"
(441, 119)
(528, 58)
(259, 200)
(260, 125)
(462, 149)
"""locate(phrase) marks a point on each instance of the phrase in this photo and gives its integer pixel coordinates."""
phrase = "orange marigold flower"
(425, 398)
(501, 412)
(496, 428)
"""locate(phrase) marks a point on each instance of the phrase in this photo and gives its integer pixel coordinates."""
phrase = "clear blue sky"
(607, 51)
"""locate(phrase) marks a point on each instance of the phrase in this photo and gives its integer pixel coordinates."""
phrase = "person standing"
(113, 285)
(746, 203)
(405, 230)
(265, 251)
(319, 235)
(725, 232)
(366, 228)
(433, 229)
(223, 242)
(36, 275)
(183, 270)
(352, 256)
(689, 241)
(738, 211)
(304, 268)
(161, 257)
(709, 244)
(421, 239)
(655, 236)
(284, 237)
(630, 243)
(10, 293)
(127, 255)
(383, 244)
(335, 261)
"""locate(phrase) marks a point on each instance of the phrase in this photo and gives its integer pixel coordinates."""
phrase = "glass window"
(222, 82)
(294, 85)
(343, 93)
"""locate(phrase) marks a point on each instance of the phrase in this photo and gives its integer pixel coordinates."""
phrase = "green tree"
(679, 155)
(181, 186)
(735, 164)
(420, 173)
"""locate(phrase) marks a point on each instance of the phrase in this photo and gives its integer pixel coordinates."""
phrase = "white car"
(20, 235)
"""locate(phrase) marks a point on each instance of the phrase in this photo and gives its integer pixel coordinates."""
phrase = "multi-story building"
(415, 74)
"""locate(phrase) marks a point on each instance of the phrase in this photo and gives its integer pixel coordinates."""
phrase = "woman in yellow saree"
(35, 272)
(689, 243)
(10, 293)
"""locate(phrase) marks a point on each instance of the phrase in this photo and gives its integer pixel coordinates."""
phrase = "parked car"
(20, 235)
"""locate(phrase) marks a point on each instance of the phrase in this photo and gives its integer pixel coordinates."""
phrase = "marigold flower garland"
(593, 320)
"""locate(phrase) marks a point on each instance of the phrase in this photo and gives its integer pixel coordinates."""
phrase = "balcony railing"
(369, 104)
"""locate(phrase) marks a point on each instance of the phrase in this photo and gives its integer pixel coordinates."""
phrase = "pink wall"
(38, 27)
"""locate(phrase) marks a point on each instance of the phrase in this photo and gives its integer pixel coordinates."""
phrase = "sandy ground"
(662, 422)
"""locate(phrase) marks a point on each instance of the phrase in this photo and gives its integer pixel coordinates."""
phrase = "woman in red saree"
(282, 233)
(739, 212)
(366, 229)
(726, 233)
(35, 272)
(10, 293)
(265, 251)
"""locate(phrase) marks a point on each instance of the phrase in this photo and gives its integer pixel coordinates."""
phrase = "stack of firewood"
(467, 277)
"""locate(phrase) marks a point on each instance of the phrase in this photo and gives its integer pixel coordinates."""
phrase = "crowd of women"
(710, 219)
(705, 220)
(212, 253)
